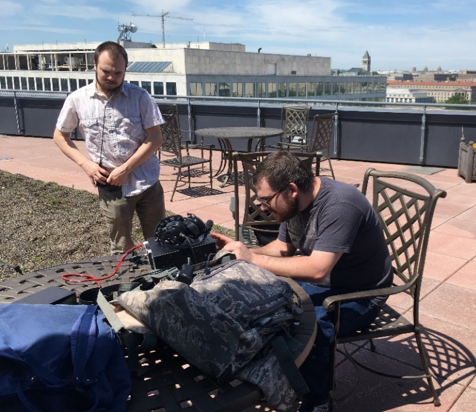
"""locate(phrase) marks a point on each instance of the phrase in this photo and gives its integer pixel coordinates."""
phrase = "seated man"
(341, 249)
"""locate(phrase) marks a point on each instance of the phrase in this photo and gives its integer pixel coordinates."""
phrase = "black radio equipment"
(180, 240)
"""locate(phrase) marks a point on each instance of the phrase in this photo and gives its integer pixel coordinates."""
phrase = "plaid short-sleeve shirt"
(114, 129)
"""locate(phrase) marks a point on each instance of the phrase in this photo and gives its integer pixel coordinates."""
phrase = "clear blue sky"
(398, 34)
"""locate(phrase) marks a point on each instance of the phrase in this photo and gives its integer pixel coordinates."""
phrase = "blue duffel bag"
(60, 358)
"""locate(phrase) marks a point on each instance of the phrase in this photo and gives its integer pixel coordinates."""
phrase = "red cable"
(90, 278)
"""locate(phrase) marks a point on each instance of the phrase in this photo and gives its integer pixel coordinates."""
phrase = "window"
(55, 85)
(210, 89)
(292, 91)
(335, 88)
(47, 83)
(16, 83)
(282, 89)
(224, 89)
(73, 85)
(147, 86)
(311, 89)
(272, 91)
(159, 88)
(135, 82)
(327, 88)
(39, 83)
(3, 84)
(302, 89)
(24, 84)
(82, 82)
(31, 83)
(261, 89)
(171, 88)
(90, 81)
(195, 89)
(319, 89)
(249, 90)
(9, 83)
(64, 85)
(237, 89)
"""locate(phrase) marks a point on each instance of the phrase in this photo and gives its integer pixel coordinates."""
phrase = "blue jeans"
(355, 315)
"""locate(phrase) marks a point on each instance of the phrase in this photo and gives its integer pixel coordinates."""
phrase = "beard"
(287, 212)
(109, 86)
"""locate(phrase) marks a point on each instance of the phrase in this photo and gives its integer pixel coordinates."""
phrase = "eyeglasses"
(266, 201)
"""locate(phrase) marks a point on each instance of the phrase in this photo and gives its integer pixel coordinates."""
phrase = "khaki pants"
(119, 211)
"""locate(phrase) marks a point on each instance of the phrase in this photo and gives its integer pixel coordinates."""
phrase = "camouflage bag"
(229, 322)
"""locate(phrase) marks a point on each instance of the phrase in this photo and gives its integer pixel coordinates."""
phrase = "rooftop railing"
(421, 134)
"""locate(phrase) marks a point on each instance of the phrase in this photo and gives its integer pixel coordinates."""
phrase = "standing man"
(121, 126)
(341, 249)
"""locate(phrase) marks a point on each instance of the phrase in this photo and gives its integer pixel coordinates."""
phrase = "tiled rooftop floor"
(448, 306)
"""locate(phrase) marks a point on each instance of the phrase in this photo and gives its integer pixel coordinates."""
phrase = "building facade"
(440, 91)
(397, 95)
(188, 69)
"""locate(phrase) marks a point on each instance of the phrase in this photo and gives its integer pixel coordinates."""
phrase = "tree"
(457, 99)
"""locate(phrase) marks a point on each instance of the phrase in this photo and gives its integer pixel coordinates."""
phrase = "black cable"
(190, 244)
(207, 268)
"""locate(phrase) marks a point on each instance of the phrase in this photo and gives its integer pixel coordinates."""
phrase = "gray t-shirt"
(341, 219)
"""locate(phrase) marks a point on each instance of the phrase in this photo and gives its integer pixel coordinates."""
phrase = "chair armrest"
(289, 146)
(189, 145)
(330, 302)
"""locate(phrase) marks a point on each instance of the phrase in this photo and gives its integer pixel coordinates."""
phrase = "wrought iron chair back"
(319, 139)
(254, 226)
(170, 153)
(405, 204)
(294, 122)
(172, 137)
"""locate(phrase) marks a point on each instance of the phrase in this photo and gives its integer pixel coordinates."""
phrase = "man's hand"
(95, 172)
(221, 240)
(117, 176)
(239, 250)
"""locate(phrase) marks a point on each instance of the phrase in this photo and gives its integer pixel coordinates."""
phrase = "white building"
(188, 69)
(408, 96)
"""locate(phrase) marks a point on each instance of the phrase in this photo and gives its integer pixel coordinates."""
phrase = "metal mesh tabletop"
(162, 380)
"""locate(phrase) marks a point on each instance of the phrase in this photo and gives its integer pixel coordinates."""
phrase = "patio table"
(166, 381)
(224, 134)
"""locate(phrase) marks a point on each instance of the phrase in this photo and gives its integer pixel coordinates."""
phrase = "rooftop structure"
(187, 69)
(395, 95)
(441, 91)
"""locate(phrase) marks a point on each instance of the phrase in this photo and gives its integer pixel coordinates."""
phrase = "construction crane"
(162, 16)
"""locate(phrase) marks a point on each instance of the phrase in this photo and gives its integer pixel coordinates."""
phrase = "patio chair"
(294, 121)
(172, 109)
(319, 139)
(170, 153)
(405, 204)
(256, 227)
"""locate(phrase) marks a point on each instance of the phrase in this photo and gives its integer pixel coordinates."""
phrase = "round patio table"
(165, 381)
(225, 134)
